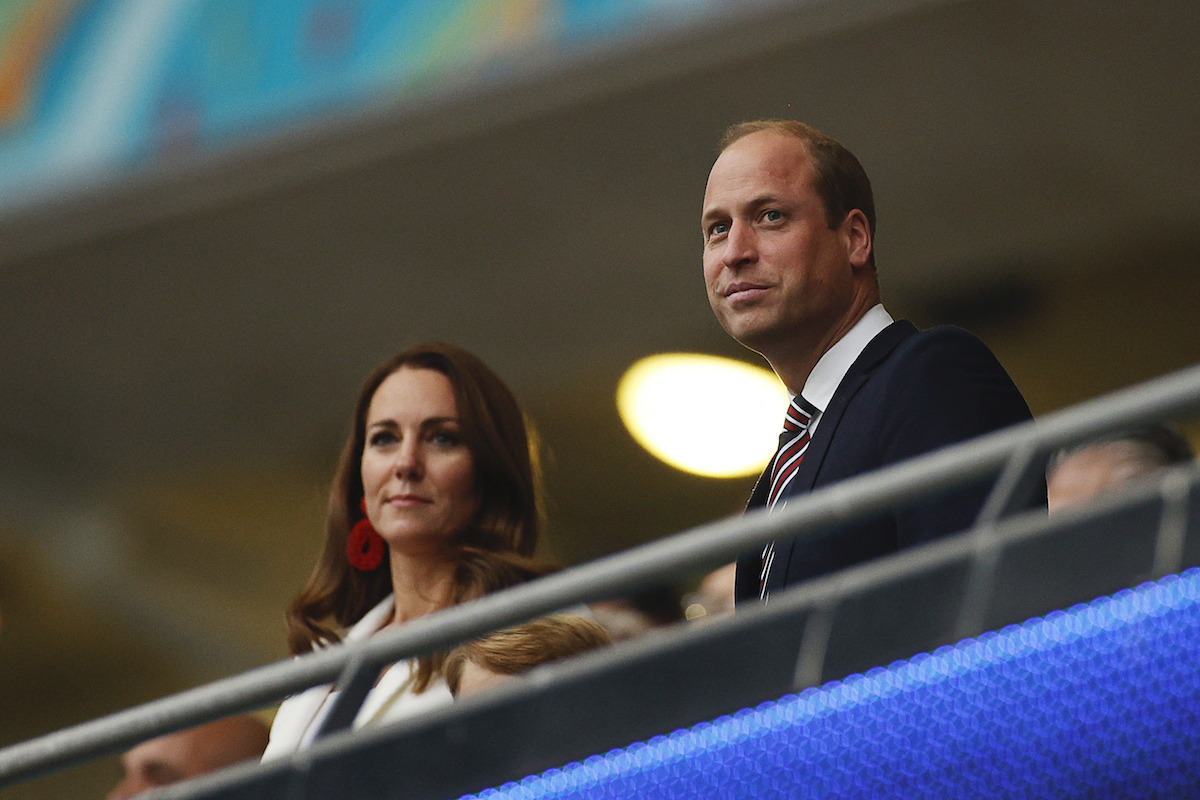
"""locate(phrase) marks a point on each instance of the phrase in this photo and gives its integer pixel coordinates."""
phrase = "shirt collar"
(832, 367)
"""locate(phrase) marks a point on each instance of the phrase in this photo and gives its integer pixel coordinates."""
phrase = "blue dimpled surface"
(1100, 700)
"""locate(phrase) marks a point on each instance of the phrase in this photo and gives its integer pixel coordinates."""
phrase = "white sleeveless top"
(391, 699)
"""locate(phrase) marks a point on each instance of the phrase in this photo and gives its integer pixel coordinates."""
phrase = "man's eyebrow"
(763, 200)
(754, 203)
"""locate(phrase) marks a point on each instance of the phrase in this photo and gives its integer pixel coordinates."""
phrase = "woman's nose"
(408, 460)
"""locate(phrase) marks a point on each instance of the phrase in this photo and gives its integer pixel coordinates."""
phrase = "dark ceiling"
(1001, 136)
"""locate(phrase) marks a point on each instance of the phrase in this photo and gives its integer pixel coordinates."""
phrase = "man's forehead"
(769, 151)
(772, 165)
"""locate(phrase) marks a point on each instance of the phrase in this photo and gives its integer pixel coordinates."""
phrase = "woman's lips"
(408, 501)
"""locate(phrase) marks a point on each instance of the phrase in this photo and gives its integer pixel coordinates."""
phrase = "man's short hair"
(842, 183)
(515, 650)
(1152, 446)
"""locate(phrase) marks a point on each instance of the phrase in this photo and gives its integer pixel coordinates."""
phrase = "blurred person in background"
(500, 657)
(436, 501)
(629, 617)
(189, 753)
(714, 597)
(1100, 466)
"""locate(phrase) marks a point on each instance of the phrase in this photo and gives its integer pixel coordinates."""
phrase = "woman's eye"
(382, 438)
(445, 439)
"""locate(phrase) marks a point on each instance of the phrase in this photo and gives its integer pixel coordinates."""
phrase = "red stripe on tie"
(786, 464)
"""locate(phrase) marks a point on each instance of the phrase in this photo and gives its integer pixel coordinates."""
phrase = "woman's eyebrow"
(391, 423)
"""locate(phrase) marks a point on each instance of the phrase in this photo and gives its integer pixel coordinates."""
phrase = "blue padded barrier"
(1101, 700)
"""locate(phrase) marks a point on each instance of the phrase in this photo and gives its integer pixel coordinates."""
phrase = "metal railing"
(1015, 453)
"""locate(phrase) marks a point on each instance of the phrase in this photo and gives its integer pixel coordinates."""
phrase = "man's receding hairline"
(806, 144)
(788, 128)
(783, 130)
(814, 177)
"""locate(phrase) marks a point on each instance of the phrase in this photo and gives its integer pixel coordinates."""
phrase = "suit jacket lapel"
(875, 352)
(758, 497)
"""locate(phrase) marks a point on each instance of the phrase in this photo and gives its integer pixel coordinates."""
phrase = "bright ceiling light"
(703, 414)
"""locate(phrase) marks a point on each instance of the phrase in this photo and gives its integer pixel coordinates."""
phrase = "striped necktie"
(792, 444)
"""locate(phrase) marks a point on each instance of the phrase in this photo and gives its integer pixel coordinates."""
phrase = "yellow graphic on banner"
(28, 31)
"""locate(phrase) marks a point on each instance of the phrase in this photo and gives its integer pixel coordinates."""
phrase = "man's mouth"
(741, 292)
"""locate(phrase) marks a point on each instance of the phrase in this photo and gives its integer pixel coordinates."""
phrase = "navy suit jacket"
(909, 392)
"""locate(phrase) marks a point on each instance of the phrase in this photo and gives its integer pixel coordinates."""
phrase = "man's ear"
(858, 238)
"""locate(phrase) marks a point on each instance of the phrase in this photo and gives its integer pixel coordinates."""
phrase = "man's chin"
(752, 337)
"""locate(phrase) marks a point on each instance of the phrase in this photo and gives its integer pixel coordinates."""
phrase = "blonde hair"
(515, 650)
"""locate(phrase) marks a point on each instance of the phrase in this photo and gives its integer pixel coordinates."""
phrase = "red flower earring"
(364, 546)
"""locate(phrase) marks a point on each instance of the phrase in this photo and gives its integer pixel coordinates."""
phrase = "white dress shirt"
(825, 377)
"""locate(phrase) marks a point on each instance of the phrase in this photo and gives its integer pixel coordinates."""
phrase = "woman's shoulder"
(393, 697)
(371, 621)
(293, 719)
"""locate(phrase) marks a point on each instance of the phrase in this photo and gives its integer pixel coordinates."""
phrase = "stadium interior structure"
(184, 329)
(987, 698)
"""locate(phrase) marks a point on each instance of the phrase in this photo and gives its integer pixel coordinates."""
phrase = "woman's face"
(418, 477)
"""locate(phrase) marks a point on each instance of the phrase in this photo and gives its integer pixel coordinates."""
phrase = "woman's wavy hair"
(497, 548)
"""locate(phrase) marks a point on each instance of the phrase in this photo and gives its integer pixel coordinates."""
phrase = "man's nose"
(740, 245)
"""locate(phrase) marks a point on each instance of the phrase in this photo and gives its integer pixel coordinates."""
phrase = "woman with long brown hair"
(435, 502)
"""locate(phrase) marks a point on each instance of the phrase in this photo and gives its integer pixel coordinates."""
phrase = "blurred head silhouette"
(1101, 466)
(188, 753)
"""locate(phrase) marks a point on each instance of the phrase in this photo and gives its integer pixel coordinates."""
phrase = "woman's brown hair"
(495, 551)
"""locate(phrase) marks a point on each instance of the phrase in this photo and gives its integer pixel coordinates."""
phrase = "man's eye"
(718, 229)
(771, 215)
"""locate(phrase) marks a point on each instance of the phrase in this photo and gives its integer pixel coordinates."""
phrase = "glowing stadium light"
(703, 414)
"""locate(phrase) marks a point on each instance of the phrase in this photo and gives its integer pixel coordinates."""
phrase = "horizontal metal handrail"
(703, 547)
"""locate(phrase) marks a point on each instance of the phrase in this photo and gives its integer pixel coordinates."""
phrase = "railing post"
(353, 686)
(981, 580)
(1175, 490)
(810, 661)
(1015, 486)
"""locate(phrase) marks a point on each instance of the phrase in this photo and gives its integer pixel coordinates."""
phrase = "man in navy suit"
(789, 265)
